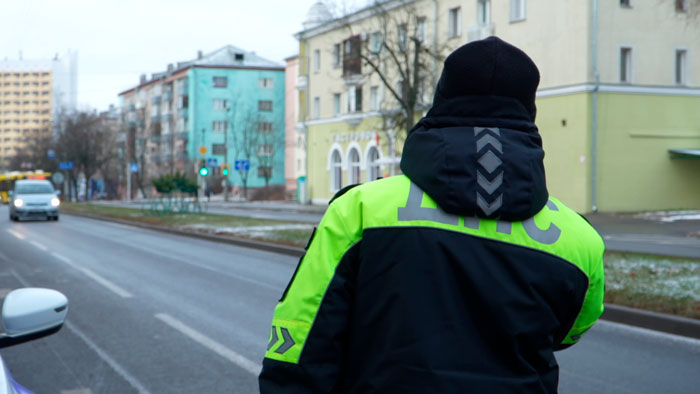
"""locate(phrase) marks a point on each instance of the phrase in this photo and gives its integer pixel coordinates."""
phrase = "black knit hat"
(489, 67)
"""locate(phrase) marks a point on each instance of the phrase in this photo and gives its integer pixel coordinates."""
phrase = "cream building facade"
(616, 101)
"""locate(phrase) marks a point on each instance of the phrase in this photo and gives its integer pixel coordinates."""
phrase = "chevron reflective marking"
(288, 341)
(487, 208)
(274, 338)
(479, 130)
(490, 187)
(489, 139)
(490, 161)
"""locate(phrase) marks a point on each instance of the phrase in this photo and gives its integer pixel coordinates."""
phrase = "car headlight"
(19, 202)
(55, 202)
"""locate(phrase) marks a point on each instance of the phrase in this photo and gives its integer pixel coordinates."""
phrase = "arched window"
(354, 168)
(373, 164)
(336, 171)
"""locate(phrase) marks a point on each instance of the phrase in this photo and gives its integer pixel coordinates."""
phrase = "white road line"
(77, 391)
(107, 359)
(97, 278)
(38, 245)
(211, 344)
(16, 234)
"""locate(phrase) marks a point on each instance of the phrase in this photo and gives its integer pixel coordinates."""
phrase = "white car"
(34, 198)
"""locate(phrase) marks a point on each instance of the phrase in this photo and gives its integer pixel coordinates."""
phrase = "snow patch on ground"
(670, 216)
(251, 231)
(672, 278)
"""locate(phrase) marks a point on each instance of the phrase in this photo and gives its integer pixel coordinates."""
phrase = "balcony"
(132, 108)
(155, 119)
(155, 100)
(183, 135)
(182, 112)
(167, 96)
(480, 31)
(167, 117)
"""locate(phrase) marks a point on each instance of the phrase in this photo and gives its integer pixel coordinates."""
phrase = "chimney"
(170, 67)
(142, 79)
(199, 55)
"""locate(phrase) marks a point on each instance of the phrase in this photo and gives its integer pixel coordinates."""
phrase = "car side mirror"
(32, 313)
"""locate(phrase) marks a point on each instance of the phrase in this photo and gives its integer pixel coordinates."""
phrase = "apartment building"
(199, 111)
(295, 143)
(32, 94)
(615, 102)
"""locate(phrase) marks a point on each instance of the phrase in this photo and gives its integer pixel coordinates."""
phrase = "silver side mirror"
(32, 313)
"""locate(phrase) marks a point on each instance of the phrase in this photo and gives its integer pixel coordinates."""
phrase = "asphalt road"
(158, 313)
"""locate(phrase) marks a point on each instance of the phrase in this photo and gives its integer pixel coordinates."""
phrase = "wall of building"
(243, 93)
(636, 171)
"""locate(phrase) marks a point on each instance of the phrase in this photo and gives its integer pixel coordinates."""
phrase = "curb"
(652, 320)
(615, 313)
(246, 243)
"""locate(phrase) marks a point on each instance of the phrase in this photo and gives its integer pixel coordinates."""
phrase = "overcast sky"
(117, 40)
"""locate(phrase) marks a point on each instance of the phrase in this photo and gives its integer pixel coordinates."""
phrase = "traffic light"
(224, 170)
(203, 170)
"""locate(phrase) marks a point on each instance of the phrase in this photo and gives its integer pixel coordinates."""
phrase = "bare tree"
(244, 138)
(35, 155)
(392, 45)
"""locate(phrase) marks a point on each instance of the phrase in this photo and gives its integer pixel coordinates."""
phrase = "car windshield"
(33, 189)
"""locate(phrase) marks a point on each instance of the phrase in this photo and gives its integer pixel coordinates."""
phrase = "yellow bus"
(7, 181)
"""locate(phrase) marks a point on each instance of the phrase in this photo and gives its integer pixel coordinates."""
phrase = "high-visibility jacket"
(396, 295)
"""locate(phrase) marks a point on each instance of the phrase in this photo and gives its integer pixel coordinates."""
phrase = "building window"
(264, 105)
(336, 104)
(317, 60)
(625, 65)
(265, 150)
(220, 82)
(219, 104)
(264, 127)
(483, 12)
(219, 125)
(265, 172)
(626, 3)
(266, 83)
(352, 61)
(375, 42)
(517, 10)
(373, 164)
(354, 161)
(336, 171)
(317, 108)
(454, 27)
(681, 5)
(336, 55)
(374, 98)
(354, 98)
(420, 29)
(218, 149)
(681, 66)
(403, 37)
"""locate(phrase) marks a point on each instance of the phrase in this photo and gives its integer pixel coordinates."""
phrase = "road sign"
(212, 162)
(58, 178)
(51, 154)
(65, 165)
(133, 167)
(203, 150)
(242, 165)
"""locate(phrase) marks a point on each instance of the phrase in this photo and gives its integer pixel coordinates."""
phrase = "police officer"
(462, 275)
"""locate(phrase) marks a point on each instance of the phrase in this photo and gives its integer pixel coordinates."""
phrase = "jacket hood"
(479, 156)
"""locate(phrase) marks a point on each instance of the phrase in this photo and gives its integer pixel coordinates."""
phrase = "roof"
(227, 56)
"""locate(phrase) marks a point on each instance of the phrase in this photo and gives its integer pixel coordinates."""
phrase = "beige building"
(616, 102)
(32, 95)
(295, 143)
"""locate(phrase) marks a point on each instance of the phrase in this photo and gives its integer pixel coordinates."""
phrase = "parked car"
(34, 198)
(28, 314)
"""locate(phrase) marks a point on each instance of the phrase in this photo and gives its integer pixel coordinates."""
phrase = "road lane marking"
(77, 391)
(38, 245)
(97, 278)
(107, 359)
(211, 344)
(16, 234)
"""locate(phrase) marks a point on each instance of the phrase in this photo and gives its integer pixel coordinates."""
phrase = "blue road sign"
(51, 154)
(133, 167)
(212, 162)
(65, 165)
(242, 165)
